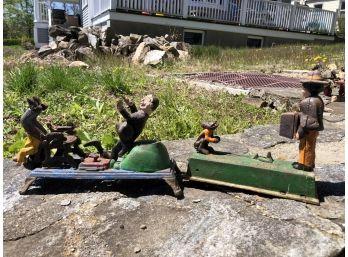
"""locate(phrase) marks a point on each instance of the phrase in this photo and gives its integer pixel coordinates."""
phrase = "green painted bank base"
(148, 158)
(277, 178)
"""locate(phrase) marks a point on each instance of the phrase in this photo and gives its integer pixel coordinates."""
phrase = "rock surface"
(95, 40)
(105, 218)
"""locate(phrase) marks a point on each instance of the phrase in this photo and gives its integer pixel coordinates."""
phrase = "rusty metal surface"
(248, 80)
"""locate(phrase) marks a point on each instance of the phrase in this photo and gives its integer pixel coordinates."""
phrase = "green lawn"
(88, 97)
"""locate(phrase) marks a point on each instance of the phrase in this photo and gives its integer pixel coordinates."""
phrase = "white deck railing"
(166, 7)
(259, 13)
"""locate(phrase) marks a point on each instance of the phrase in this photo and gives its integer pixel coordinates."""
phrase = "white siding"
(327, 5)
(86, 20)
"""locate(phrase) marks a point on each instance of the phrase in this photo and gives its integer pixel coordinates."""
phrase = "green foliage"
(19, 141)
(55, 78)
(115, 81)
(23, 79)
(88, 97)
(12, 41)
(18, 18)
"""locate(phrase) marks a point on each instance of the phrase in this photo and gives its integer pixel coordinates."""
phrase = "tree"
(18, 18)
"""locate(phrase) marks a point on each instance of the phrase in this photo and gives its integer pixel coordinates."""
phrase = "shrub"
(57, 78)
(115, 81)
(23, 79)
(12, 41)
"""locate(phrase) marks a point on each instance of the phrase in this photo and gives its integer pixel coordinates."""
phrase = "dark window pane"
(193, 38)
(254, 42)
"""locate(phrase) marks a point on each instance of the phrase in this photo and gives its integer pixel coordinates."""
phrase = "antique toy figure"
(206, 137)
(135, 122)
(310, 121)
(34, 129)
(131, 128)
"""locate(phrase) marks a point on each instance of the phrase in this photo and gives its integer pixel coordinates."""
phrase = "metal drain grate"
(249, 80)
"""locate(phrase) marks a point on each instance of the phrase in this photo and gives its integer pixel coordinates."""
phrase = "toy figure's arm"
(39, 126)
(209, 138)
(122, 110)
(131, 105)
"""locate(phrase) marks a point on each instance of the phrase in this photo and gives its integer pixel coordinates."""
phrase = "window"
(343, 5)
(255, 42)
(194, 37)
(318, 6)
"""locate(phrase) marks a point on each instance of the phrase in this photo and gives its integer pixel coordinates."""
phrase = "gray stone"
(79, 64)
(257, 93)
(331, 135)
(137, 250)
(93, 41)
(83, 52)
(53, 45)
(178, 45)
(106, 36)
(62, 38)
(73, 45)
(44, 51)
(105, 50)
(56, 30)
(63, 45)
(143, 227)
(152, 43)
(183, 55)
(140, 53)
(154, 57)
(66, 53)
(135, 38)
(65, 202)
(264, 136)
(82, 38)
(172, 50)
(114, 41)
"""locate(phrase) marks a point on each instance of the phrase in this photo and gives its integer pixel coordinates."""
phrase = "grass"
(88, 97)
(275, 59)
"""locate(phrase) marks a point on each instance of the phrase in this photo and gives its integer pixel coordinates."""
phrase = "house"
(329, 5)
(220, 22)
(48, 13)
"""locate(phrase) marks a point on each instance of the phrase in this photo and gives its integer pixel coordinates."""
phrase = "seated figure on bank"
(36, 133)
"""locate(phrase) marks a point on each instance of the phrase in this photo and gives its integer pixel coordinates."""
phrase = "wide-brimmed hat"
(313, 82)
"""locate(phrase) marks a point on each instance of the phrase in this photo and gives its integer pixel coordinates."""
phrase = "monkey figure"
(206, 137)
(36, 133)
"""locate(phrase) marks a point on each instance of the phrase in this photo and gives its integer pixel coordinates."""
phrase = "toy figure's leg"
(307, 151)
(77, 150)
(126, 135)
(31, 147)
(115, 150)
(203, 147)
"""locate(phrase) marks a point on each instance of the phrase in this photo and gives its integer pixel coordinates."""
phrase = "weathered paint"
(146, 158)
(277, 178)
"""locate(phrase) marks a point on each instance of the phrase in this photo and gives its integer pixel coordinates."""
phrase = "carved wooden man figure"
(311, 121)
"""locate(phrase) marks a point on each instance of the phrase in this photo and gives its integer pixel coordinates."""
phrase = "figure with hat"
(206, 137)
(36, 133)
(311, 120)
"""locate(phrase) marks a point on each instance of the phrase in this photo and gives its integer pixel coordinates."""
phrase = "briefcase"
(289, 122)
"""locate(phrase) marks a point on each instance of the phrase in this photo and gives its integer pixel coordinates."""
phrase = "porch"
(265, 14)
(47, 13)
